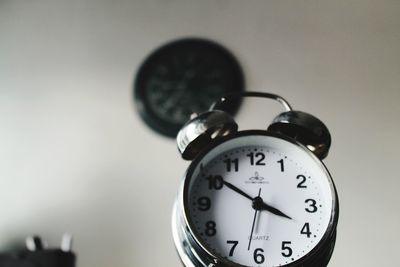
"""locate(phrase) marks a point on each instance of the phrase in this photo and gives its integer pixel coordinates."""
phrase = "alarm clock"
(255, 197)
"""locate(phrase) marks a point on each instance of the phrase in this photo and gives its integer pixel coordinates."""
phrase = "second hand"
(254, 221)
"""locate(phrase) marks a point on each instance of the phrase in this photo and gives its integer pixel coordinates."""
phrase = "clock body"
(256, 199)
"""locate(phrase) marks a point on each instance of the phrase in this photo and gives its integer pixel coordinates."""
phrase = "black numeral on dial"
(258, 256)
(234, 244)
(215, 182)
(312, 205)
(286, 250)
(232, 164)
(256, 158)
(282, 165)
(204, 203)
(306, 230)
(302, 179)
(211, 229)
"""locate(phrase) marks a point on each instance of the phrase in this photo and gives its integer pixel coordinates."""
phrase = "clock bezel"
(324, 243)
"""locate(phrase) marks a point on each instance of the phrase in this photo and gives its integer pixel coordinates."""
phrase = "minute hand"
(237, 190)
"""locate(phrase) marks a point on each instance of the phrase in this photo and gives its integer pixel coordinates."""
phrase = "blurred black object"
(184, 77)
(36, 255)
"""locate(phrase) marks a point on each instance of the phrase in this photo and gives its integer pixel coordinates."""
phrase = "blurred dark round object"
(184, 77)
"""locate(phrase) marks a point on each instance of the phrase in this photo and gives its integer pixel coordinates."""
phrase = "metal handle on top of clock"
(218, 105)
(209, 126)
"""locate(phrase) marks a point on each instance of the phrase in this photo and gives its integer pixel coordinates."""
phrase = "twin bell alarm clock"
(255, 197)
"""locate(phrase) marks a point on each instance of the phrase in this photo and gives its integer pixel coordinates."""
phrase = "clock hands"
(237, 190)
(254, 222)
(258, 203)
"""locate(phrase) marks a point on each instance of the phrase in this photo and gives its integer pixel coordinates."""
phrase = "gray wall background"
(74, 155)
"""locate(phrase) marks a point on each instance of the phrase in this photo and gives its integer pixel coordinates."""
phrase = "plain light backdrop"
(75, 157)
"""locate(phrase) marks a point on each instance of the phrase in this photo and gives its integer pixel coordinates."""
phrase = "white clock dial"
(259, 201)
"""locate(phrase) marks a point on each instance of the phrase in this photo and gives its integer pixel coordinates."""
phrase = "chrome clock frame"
(195, 254)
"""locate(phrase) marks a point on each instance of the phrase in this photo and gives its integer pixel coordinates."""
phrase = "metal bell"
(202, 130)
(306, 129)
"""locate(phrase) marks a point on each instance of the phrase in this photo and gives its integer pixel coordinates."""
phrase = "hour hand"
(259, 204)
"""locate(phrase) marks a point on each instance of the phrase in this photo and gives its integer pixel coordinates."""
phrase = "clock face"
(259, 200)
(185, 77)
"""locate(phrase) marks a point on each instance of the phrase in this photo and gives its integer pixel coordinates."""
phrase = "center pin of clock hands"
(257, 202)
